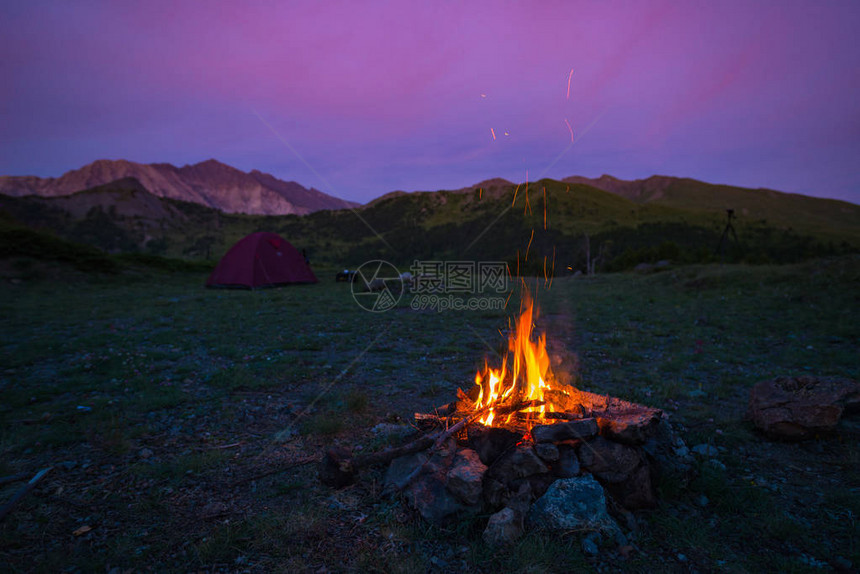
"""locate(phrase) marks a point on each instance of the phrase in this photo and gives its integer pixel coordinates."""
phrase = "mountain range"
(210, 183)
(619, 223)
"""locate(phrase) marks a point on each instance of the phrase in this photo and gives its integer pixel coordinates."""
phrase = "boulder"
(637, 491)
(491, 442)
(466, 476)
(798, 408)
(572, 504)
(568, 463)
(434, 502)
(537, 483)
(428, 493)
(402, 467)
(496, 493)
(504, 527)
(507, 525)
(547, 451)
(517, 463)
(623, 470)
(609, 461)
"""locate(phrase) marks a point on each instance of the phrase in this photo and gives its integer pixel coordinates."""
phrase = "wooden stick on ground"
(339, 467)
(13, 477)
(6, 508)
(440, 440)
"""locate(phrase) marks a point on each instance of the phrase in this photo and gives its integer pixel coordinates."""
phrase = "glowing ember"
(529, 377)
(569, 76)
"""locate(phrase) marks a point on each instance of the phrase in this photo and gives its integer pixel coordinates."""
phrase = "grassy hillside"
(823, 217)
(527, 225)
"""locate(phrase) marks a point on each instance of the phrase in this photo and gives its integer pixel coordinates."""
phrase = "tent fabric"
(261, 260)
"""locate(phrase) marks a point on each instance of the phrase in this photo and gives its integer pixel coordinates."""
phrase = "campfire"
(525, 447)
(527, 384)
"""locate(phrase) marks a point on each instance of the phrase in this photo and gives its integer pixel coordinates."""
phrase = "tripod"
(724, 237)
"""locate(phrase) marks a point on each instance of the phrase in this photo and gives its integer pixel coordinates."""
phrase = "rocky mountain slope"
(210, 183)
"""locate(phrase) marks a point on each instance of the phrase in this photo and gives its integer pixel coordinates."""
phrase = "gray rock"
(609, 460)
(491, 442)
(517, 463)
(572, 504)
(580, 429)
(401, 467)
(547, 451)
(465, 479)
(504, 527)
(428, 495)
(521, 500)
(568, 463)
(637, 491)
(589, 546)
(496, 493)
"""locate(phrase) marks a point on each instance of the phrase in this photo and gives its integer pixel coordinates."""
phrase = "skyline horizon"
(361, 100)
(428, 190)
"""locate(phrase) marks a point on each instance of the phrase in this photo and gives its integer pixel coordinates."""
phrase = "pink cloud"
(362, 87)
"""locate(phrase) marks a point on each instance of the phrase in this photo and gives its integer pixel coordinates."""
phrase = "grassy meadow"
(184, 425)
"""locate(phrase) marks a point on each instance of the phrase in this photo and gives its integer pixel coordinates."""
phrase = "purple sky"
(377, 96)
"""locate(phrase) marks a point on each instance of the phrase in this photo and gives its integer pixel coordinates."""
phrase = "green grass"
(206, 380)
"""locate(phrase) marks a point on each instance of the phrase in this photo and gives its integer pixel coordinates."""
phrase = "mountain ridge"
(547, 218)
(210, 183)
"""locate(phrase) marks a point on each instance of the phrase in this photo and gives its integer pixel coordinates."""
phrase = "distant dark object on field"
(730, 214)
(345, 276)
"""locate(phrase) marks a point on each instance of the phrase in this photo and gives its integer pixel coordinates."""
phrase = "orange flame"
(529, 376)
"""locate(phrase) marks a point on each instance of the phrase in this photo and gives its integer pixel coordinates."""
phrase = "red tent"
(261, 260)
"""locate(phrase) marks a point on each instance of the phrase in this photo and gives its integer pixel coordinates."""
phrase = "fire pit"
(527, 449)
